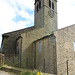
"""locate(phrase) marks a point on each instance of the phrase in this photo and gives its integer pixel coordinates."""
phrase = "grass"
(28, 73)
(11, 72)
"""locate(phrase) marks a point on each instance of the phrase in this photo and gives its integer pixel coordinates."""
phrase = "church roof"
(21, 30)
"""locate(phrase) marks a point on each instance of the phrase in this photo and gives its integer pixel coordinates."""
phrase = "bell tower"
(46, 14)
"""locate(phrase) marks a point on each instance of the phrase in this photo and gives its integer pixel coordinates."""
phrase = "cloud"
(18, 14)
(66, 13)
(19, 18)
(15, 15)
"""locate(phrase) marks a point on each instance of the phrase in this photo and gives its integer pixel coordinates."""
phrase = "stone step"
(10, 69)
(14, 69)
(18, 70)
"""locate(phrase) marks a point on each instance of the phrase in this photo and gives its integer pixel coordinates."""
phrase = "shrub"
(28, 73)
(31, 73)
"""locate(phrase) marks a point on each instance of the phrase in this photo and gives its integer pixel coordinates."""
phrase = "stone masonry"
(45, 54)
(65, 38)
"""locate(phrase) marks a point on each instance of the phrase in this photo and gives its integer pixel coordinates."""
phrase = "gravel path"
(5, 73)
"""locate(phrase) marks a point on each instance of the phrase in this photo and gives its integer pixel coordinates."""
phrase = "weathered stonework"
(1, 60)
(27, 43)
(57, 54)
(46, 58)
(9, 40)
(65, 38)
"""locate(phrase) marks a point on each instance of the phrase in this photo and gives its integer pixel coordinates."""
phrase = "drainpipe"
(34, 55)
(67, 67)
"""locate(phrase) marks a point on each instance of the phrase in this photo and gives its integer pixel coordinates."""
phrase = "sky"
(19, 14)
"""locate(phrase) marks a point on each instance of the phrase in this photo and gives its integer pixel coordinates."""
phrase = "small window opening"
(17, 48)
(50, 3)
(74, 46)
(39, 4)
(39, 47)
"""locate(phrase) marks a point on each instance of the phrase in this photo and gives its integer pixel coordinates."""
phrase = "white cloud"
(8, 10)
(26, 3)
(26, 15)
(66, 13)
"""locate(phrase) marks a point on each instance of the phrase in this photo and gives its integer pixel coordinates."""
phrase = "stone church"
(42, 46)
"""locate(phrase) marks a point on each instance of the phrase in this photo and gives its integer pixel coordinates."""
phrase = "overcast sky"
(18, 14)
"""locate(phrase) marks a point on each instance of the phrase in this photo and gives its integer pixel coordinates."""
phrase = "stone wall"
(42, 17)
(19, 48)
(48, 74)
(28, 37)
(65, 38)
(1, 60)
(50, 22)
(27, 43)
(44, 25)
(46, 54)
(9, 40)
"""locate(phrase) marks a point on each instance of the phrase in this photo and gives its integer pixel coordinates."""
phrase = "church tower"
(46, 15)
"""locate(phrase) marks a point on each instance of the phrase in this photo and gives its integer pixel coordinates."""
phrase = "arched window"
(37, 7)
(50, 3)
(39, 4)
(39, 47)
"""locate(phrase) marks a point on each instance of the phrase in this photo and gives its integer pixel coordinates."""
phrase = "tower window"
(50, 3)
(37, 7)
(39, 4)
